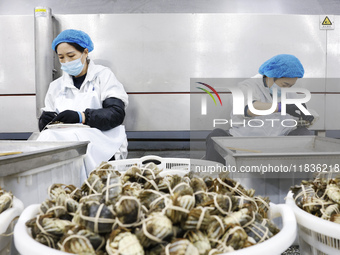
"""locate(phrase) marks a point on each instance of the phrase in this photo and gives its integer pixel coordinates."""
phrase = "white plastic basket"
(6, 225)
(316, 236)
(26, 245)
(166, 164)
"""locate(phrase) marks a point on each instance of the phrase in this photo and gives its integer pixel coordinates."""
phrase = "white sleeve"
(111, 87)
(49, 99)
(248, 85)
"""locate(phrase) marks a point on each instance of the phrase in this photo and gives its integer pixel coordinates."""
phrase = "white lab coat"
(270, 128)
(100, 83)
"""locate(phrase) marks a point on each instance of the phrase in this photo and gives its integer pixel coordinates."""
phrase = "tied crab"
(216, 228)
(123, 242)
(200, 190)
(48, 225)
(112, 189)
(93, 185)
(236, 237)
(6, 200)
(98, 218)
(222, 204)
(152, 200)
(333, 191)
(227, 185)
(155, 229)
(257, 232)
(199, 240)
(242, 217)
(320, 197)
(181, 246)
(76, 244)
(128, 211)
(198, 218)
(75, 236)
(178, 207)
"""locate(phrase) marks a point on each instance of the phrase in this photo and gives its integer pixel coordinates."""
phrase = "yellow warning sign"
(326, 22)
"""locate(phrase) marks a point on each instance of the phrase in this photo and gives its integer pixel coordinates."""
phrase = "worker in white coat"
(280, 71)
(88, 99)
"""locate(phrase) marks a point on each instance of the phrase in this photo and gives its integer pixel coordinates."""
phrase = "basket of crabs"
(316, 204)
(137, 206)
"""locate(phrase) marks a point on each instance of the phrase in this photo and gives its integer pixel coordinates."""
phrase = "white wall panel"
(17, 54)
(332, 113)
(161, 52)
(152, 112)
(17, 114)
(333, 58)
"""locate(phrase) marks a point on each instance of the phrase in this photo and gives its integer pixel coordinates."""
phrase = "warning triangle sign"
(326, 22)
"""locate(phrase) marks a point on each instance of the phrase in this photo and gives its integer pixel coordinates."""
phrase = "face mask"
(73, 67)
(278, 89)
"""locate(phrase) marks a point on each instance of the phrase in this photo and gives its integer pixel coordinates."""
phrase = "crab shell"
(155, 229)
(124, 243)
(180, 208)
(198, 218)
(77, 244)
(333, 192)
(240, 217)
(6, 200)
(181, 246)
(199, 240)
(235, 237)
(258, 232)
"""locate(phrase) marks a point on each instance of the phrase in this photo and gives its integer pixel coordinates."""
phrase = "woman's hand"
(67, 116)
(45, 118)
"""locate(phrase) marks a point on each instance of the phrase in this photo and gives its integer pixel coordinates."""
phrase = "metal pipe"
(43, 33)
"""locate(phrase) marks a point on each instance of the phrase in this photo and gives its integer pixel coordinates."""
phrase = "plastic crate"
(7, 224)
(26, 245)
(183, 164)
(316, 236)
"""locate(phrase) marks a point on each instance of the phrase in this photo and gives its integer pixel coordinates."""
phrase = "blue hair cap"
(73, 36)
(283, 65)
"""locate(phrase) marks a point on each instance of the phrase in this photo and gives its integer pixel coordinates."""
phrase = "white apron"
(103, 144)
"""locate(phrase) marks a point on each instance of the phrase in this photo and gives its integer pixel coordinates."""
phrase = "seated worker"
(281, 71)
(87, 94)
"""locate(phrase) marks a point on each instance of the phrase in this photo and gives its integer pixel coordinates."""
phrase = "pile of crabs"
(146, 211)
(320, 197)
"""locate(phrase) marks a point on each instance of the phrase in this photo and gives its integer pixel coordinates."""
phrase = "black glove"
(293, 110)
(45, 118)
(308, 118)
(67, 116)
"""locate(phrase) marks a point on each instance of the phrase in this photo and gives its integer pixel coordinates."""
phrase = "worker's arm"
(111, 115)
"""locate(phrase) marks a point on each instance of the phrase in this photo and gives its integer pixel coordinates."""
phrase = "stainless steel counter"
(36, 154)
(297, 154)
